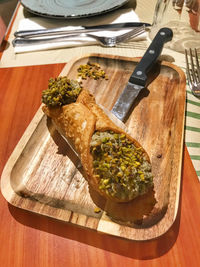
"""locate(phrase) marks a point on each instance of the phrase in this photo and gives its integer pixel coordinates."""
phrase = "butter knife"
(138, 78)
(78, 29)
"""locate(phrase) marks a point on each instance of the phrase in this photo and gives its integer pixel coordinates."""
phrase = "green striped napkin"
(192, 129)
(192, 119)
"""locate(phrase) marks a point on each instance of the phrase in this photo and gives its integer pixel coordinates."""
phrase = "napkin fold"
(33, 23)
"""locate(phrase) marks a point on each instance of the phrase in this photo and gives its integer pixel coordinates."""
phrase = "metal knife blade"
(65, 30)
(138, 78)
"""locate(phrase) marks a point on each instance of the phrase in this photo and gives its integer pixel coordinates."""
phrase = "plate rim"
(57, 16)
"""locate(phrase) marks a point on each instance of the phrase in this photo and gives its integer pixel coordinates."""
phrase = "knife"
(65, 30)
(138, 78)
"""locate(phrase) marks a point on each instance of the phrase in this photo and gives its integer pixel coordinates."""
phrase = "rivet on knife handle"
(138, 78)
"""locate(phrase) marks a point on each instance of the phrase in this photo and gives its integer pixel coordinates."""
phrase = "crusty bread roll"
(78, 122)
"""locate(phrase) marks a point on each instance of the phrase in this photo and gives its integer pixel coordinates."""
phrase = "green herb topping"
(91, 70)
(120, 166)
(61, 91)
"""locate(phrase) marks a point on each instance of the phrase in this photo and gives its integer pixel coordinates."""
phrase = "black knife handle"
(139, 76)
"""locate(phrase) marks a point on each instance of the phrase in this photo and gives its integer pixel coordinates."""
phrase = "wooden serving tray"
(43, 174)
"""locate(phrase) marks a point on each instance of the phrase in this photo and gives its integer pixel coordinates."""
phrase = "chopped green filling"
(120, 166)
(61, 91)
(91, 70)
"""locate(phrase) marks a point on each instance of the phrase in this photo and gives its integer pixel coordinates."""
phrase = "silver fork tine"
(187, 67)
(193, 72)
(132, 33)
(197, 64)
(113, 41)
(194, 79)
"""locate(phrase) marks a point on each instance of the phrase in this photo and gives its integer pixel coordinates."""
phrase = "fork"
(193, 71)
(104, 41)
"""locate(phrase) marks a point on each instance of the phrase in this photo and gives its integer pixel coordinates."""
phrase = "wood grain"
(2, 29)
(42, 176)
(31, 240)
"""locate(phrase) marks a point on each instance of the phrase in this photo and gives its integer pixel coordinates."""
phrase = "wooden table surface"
(28, 239)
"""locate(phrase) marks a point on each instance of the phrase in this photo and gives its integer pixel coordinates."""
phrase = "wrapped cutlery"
(78, 29)
(103, 40)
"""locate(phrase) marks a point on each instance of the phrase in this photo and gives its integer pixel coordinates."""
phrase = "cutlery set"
(102, 40)
(79, 29)
(42, 36)
(63, 34)
(138, 79)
